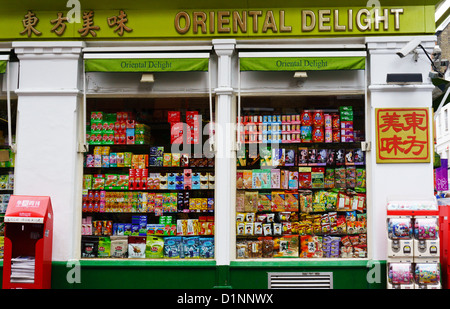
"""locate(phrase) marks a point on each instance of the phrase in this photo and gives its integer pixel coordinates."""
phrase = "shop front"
(245, 146)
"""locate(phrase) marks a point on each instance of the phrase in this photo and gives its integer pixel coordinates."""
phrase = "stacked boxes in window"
(346, 115)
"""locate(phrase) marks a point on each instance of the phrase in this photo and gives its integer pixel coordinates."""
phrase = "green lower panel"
(132, 274)
(346, 274)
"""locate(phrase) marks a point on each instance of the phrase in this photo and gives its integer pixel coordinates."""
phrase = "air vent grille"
(291, 280)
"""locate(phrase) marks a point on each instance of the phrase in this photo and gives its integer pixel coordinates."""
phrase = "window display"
(148, 184)
(7, 162)
(301, 178)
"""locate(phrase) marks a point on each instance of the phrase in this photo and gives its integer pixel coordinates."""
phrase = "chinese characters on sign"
(403, 135)
(88, 26)
(29, 23)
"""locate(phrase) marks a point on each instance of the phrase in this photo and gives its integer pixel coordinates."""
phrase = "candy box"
(284, 179)
(176, 159)
(111, 181)
(247, 176)
(98, 182)
(265, 176)
(304, 178)
(87, 182)
(120, 159)
(278, 157)
(275, 178)
(290, 157)
(293, 180)
(167, 159)
(127, 159)
(122, 182)
(96, 117)
(97, 160)
(105, 161)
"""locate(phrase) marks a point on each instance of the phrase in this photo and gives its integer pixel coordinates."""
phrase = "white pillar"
(48, 127)
(225, 158)
(406, 180)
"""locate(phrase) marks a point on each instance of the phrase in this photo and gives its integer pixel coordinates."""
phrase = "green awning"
(302, 63)
(3, 64)
(146, 65)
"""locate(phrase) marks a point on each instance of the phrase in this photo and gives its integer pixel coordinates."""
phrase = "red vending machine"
(27, 258)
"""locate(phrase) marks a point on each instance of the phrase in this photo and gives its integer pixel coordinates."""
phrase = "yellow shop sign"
(259, 21)
(240, 22)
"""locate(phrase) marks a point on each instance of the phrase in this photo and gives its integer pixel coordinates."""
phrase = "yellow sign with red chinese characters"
(403, 135)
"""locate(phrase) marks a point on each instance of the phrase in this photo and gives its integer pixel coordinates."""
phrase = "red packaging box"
(191, 116)
(173, 116)
(131, 124)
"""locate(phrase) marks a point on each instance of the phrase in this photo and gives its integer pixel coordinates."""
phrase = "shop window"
(148, 186)
(301, 178)
(7, 161)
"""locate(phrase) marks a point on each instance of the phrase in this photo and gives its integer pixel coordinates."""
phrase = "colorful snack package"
(251, 201)
(331, 202)
(154, 247)
(254, 249)
(341, 225)
(248, 229)
(311, 246)
(136, 246)
(291, 201)
(329, 178)
(258, 228)
(104, 247)
(359, 202)
(278, 201)
(265, 202)
(172, 247)
(319, 201)
(190, 247)
(304, 178)
(241, 249)
(305, 201)
(267, 229)
(286, 246)
(267, 247)
(240, 217)
(344, 202)
(240, 228)
(206, 247)
(240, 201)
(239, 180)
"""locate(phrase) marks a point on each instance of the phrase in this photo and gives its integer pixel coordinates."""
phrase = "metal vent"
(289, 280)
